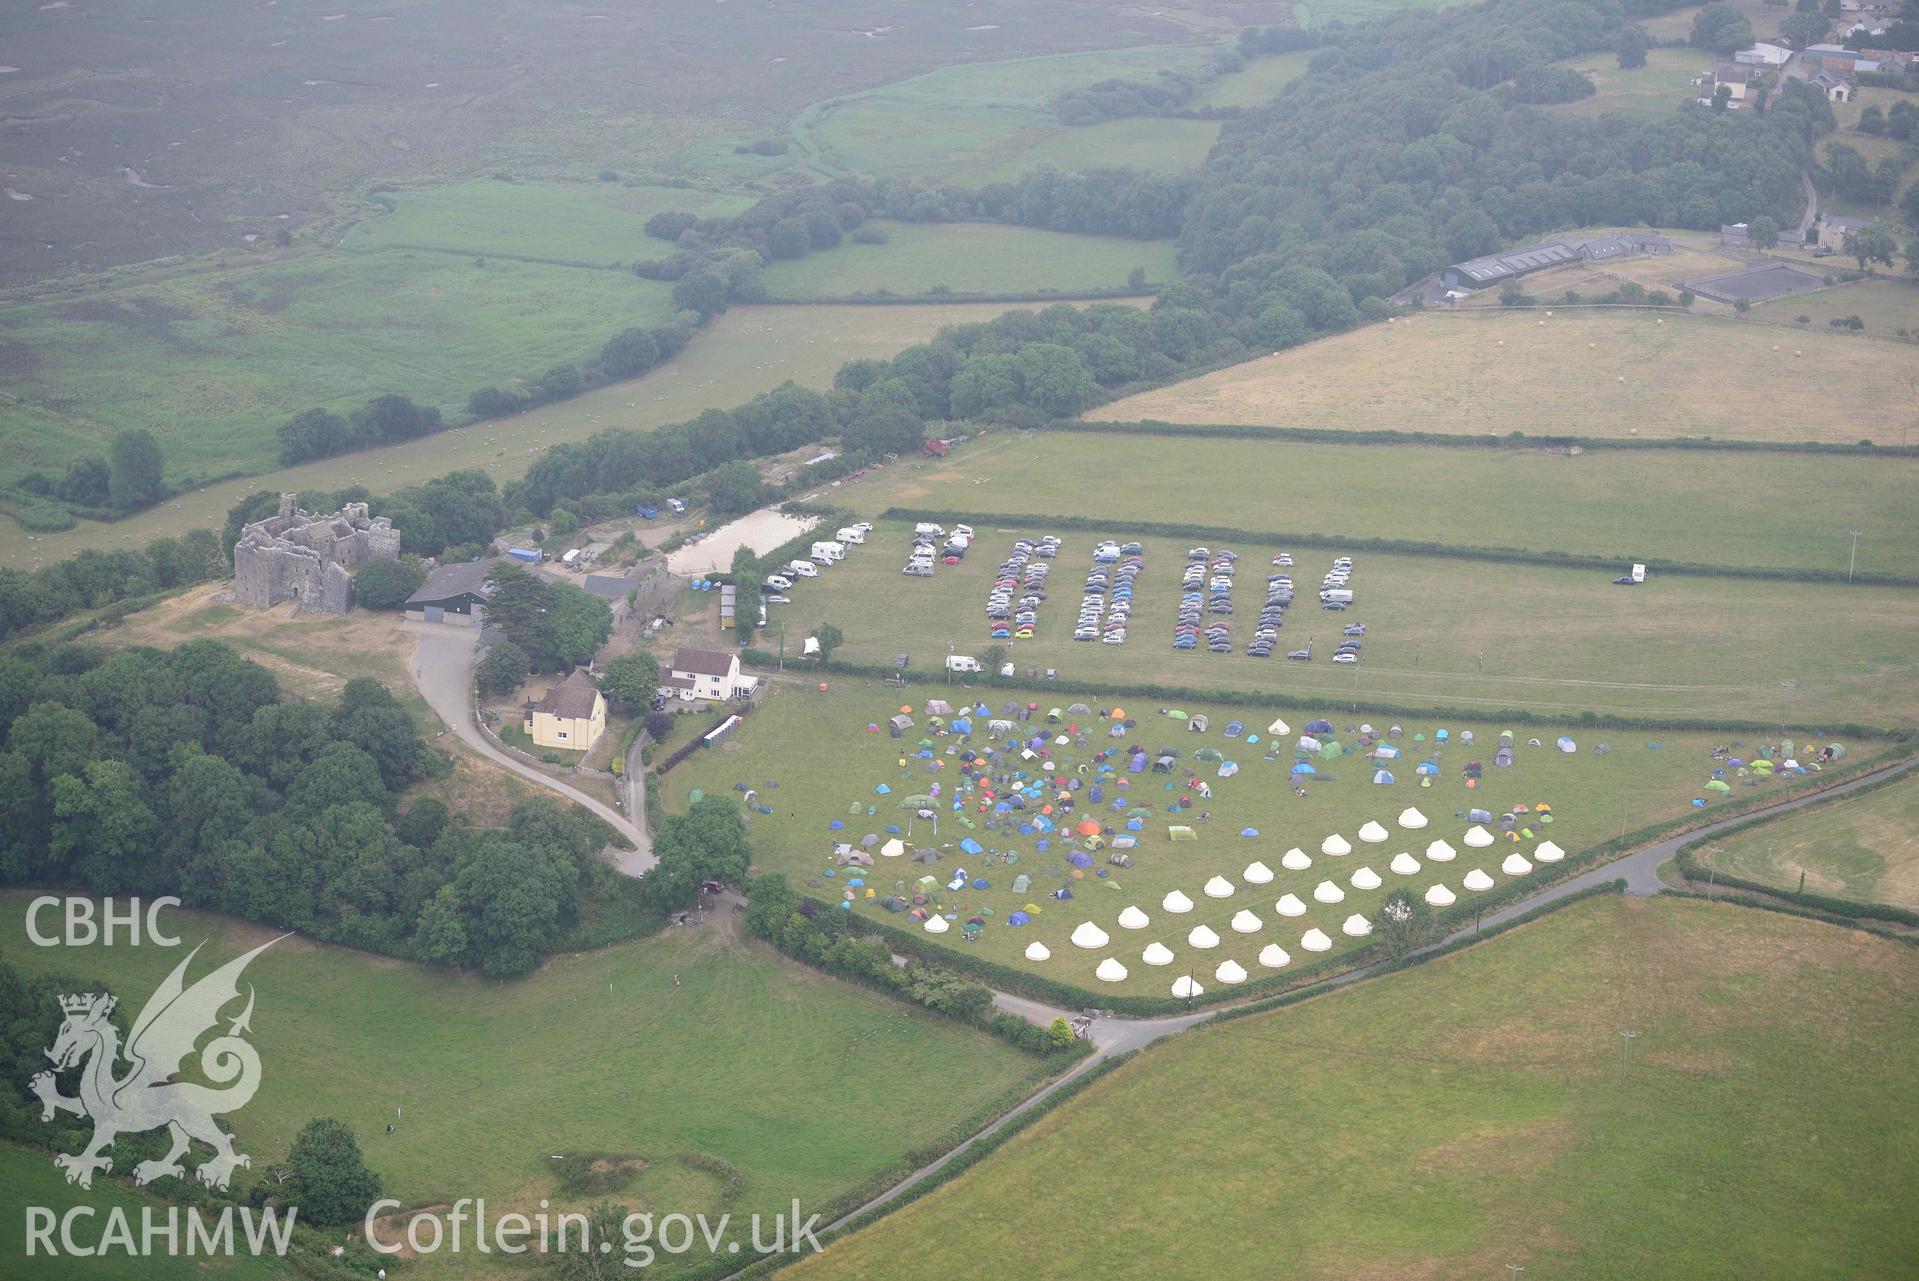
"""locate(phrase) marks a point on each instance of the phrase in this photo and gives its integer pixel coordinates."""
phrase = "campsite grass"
(806, 1084)
(1445, 632)
(990, 121)
(1862, 848)
(1705, 507)
(924, 258)
(1591, 374)
(744, 352)
(1469, 1115)
(1593, 798)
(28, 1178)
(1654, 90)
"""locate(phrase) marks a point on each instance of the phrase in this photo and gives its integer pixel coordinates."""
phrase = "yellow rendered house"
(571, 716)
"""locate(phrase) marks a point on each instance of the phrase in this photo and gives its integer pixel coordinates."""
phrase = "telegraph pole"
(1854, 559)
(1625, 1053)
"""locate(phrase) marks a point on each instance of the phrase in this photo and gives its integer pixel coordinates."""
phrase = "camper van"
(928, 527)
(850, 535)
(827, 553)
(803, 568)
(571, 558)
(962, 663)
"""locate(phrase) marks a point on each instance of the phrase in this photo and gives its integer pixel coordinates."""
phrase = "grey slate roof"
(447, 581)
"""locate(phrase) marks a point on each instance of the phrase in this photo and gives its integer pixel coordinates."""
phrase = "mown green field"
(990, 121)
(805, 1084)
(1713, 508)
(1258, 83)
(594, 224)
(1592, 798)
(1470, 1115)
(1450, 632)
(747, 351)
(29, 1178)
(924, 258)
(1654, 90)
(1887, 305)
(1863, 848)
(1317, 13)
(213, 363)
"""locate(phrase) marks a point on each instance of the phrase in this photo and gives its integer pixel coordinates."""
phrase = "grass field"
(1864, 848)
(1591, 797)
(744, 352)
(805, 1084)
(919, 258)
(1710, 507)
(594, 224)
(1470, 1115)
(1654, 90)
(991, 121)
(1886, 304)
(213, 363)
(30, 1179)
(1258, 83)
(1455, 633)
(1317, 13)
(1591, 373)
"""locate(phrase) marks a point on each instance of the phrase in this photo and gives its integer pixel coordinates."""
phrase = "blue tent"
(981, 883)
(1319, 727)
(1018, 918)
(1304, 767)
(1441, 735)
(1080, 858)
(1133, 824)
(892, 829)
(1386, 752)
(1426, 767)
(1382, 776)
(962, 726)
(836, 826)
(1235, 728)
(972, 846)
(1249, 831)
(884, 790)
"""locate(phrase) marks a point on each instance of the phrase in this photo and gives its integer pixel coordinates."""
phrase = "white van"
(804, 568)
(962, 663)
(1336, 596)
(927, 527)
(850, 535)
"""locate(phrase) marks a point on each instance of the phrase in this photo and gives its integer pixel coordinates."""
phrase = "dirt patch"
(17, 360)
(762, 531)
(1513, 1149)
(148, 317)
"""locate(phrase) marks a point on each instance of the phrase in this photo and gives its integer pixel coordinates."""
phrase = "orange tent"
(1087, 827)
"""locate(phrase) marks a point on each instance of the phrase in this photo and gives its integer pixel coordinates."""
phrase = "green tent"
(1181, 834)
(1208, 754)
(1176, 714)
(1718, 785)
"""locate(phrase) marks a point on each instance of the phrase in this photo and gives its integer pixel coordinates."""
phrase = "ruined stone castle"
(296, 556)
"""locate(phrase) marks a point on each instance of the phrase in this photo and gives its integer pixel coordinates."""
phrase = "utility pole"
(1513, 1270)
(1625, 1053)
(1785, 692)
(1854, 559)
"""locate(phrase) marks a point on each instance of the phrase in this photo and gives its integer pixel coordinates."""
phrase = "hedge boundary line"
(1390, 436)
(1148, 289)
(1759, 904)
(1270, 699)
(1689, 863)
(1067, 996)
(980, 1148)
(1406, 547)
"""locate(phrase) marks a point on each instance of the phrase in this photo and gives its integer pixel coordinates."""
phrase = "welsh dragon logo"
(146, 1097)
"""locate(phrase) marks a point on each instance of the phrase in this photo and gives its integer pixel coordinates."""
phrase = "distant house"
(1837, 59)
(572, 715)
(1629, 244)
(1836, 87)
(454, 593)
(1764, 54)
(697, 674)
(1738, 235)
(1834, 226)
(1737, 79)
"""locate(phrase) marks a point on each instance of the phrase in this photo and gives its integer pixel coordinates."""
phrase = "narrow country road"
(443, 659)
(1812, 203)
(1115, 1036)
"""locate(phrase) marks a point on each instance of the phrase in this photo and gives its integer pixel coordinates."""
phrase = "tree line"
(131, 476)
(186, 772)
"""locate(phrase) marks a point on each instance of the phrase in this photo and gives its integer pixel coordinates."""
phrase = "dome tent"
(936, 925)
(1372, 833)
(1202, 936)
(1257, 873)
(1356, 926)
(1219, 887)
(1478, 837)
(1477, 881)
(1295, 860)
(1184, 987)
(1244, 922)
(1230, 971)
(1175, 901)
(1439, 896)
(1272, 956)
(1515, 864)
(1110, 971)
(1038, 951)
(1411, 819)
(1315, 940)
(1335, 845)
(1133, 919)
(1365, 879)
(1157, 953)
(1327, 892)
(1289, 905)
(1404, 864)
(1548, 852)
